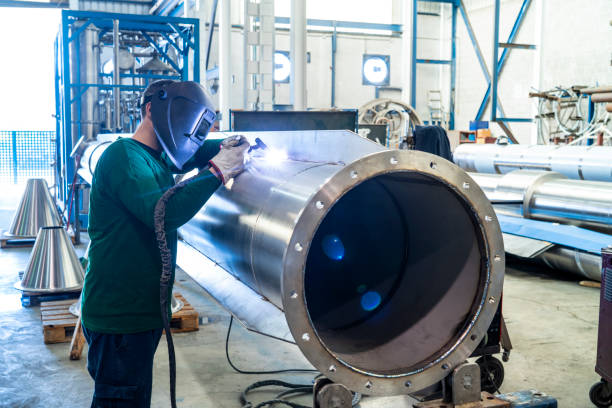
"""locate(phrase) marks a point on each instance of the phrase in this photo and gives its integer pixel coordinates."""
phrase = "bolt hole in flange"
(370, 268)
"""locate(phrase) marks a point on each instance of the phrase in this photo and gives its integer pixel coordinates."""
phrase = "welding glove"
(230, 160)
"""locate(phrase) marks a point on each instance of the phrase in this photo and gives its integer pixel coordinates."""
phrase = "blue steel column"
(185, 74)
(498, 67)
(78, 88)
(413, 71)
(58, 112)
(453, 73)
(196, 51)
(67, 117)
(495, 62)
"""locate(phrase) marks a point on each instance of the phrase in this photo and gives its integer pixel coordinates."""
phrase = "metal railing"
(26, 154)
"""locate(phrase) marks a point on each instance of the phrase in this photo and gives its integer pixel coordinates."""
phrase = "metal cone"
(53, 266)
(36, 210)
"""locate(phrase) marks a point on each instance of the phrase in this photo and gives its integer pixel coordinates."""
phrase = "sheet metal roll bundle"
(388, 265)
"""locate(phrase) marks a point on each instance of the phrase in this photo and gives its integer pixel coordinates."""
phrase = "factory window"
(282, 66)
(30, 68)
(375, 70)
(342, 10)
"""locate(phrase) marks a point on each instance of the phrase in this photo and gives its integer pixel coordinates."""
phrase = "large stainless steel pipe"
(550, 196)
(575, 162)
(388, 265)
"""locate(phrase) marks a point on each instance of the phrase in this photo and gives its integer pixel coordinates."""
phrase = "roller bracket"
(328, 394)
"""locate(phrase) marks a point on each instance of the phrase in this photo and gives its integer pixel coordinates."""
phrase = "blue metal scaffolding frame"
(499, 62)
(452, 62)
(491, 94)
(182, 34)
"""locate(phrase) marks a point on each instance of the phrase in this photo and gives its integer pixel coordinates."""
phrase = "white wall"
(577, 38)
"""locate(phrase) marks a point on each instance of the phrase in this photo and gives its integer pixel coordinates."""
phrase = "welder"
(121, 316)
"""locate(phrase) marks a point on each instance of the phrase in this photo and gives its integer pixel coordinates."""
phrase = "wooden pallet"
(186, 319)
(59, 324)
(8, 241)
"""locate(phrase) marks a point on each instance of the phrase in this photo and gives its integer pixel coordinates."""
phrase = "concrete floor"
(551, 319)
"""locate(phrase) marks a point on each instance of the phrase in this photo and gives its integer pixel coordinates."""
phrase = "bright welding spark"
(275, 156)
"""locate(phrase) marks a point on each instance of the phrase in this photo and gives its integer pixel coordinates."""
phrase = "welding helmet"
(182, 114)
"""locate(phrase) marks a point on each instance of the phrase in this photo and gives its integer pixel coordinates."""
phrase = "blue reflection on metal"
(370, 300)
(333, 247)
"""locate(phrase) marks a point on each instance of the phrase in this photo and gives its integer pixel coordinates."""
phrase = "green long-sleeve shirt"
(121, 289)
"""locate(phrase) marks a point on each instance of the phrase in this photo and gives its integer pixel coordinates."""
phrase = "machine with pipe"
(103, 61)
(384, 267)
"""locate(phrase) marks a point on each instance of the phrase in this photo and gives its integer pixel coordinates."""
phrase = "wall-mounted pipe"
(388, 265)
(575, 162)
(116, 76)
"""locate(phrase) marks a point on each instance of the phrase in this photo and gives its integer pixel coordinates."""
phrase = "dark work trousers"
(122, 368)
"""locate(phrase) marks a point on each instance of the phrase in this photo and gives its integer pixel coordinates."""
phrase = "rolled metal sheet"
(573, 261)
(575, 162)
(550, 196)
(388, 265)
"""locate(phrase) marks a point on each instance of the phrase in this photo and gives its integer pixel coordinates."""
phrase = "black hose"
(238, 370)
(166, 275)
(303, 388)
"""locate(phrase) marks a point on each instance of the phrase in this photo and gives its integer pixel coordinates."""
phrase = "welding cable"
(238, 370)
(164, 282)
(280, 398)
(303, 388)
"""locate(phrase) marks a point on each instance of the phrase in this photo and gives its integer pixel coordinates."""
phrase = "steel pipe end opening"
(393, 273)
